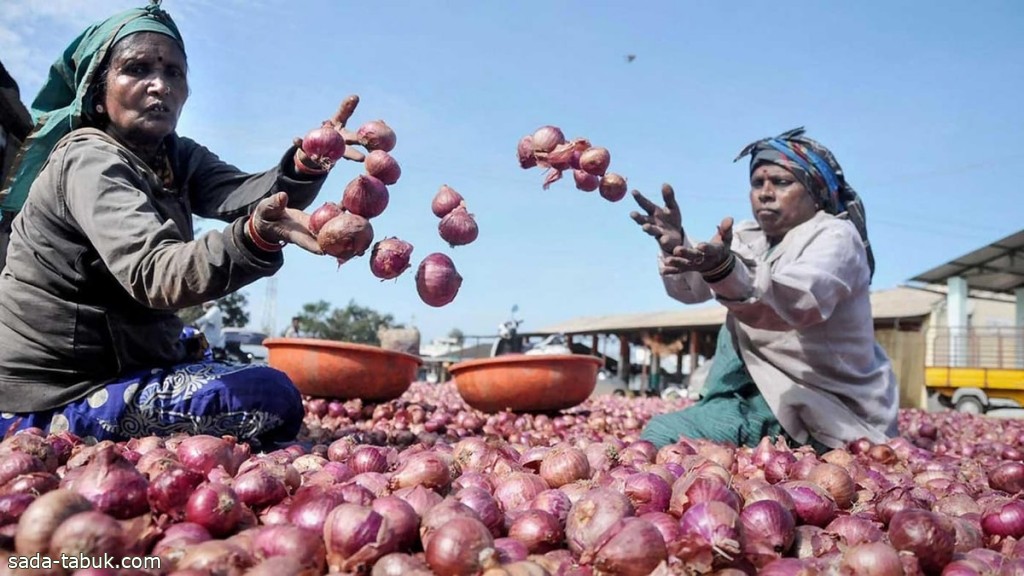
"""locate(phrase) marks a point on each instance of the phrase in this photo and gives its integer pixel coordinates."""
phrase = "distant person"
(15, 125)
(797, 355)
(211, 323)
(103, 254)
(293, 330)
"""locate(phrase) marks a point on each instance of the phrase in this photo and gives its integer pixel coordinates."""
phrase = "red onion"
(896, 500)
(634, 549)
(461, 547)
(871, 559)
(399, 564)
(303, 545)
(176, 539)
(510, 550)
(42, 518)
(447, 510)
(446, 200)
(647, 492)
(203, 453)
(215, 557)
(595, 161)
(524, 151)
(91, 534)
(555, 502)
(170, 490)
(585, 182)
(324, 145)
(421, 499)
(367, 458)
(1008, 477)
(813, 504)
(540, 531)
(613, 187)
(437, 280)
(31, 483)
(836, 481)
(276, 566)
(356, 537)
(309, 509)
(710, 531)
(788, 567)
(322, 215)
(458, 227)
(376, 482)
(516, 490)
(425, 469)
(365, 196)
(1006, 519)
(926, 535)
(15, 464)
(377, 135)
(345, 236)
(546, 138)
(390, 258)
(590, 519)
(340, 450)
(694, 489)
(32, 445)
(309, 463)
(401, 519)
(564, 464)
(667, 525)
(472, 480)
(12, 506)
(853, 530)
(383, 166)
(485, 506)
(259, 488)
(779, 466)
(113, 485)
(215, 507)
(768, 531)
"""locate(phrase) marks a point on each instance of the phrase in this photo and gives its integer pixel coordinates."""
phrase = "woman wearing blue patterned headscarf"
(103, 253)
(797, 356)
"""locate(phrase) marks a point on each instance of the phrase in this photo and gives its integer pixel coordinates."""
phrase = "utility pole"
(270, 308)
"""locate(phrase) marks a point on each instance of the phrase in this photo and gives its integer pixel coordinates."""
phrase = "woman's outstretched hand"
(274, 222)
(704, 257)
(664, 223)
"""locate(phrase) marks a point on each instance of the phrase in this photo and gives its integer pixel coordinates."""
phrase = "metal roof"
(896, 303)
(998, 267)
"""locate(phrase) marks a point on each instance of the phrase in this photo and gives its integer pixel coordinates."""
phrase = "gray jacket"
(801, 314)
(102, 256)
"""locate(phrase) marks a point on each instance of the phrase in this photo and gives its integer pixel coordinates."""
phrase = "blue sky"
(920, 101)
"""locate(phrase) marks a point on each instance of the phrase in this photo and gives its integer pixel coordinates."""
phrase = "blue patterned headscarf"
(817, 169)
(63, 102)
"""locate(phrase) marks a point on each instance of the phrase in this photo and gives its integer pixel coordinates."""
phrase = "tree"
(233, 306)
(353, 323)
(457, 335)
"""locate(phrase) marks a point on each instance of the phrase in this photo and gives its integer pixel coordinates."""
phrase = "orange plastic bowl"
(331, 369)
(526, 383)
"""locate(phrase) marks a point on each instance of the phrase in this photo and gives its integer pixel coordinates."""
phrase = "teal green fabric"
(59, 107)
(731, 408)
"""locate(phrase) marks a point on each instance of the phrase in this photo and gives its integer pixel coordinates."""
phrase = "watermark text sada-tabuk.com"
(83, 561)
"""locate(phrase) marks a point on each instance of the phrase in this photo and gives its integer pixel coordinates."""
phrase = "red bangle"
(302, 168)
(260, 242)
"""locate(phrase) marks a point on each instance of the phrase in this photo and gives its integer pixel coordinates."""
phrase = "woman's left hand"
(275, 222)
(703, 257)
(338, 122)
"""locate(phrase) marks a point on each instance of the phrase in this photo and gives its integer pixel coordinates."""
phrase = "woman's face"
(780, 202)
(146, 88)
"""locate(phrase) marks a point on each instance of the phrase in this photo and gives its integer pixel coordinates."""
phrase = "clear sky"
(919, 100)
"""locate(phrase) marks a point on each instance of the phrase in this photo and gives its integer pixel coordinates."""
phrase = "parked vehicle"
(245, 346)
(976, 369)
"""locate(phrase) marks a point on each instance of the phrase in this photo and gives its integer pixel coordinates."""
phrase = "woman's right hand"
(664, 223)
(275, 223)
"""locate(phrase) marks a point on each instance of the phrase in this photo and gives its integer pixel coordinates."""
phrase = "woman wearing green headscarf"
(797, 356)
(103, 252)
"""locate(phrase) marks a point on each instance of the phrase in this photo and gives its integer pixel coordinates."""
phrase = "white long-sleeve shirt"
(211, 324)
(801, 313)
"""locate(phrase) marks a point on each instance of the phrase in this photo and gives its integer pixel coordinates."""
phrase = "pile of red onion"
(425, 485)
(548, 148)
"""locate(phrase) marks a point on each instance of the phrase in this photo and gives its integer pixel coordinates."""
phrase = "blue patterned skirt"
(254, 403)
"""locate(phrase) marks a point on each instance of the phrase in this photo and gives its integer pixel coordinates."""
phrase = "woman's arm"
(144, 250)
(220, 190)
(800, 292)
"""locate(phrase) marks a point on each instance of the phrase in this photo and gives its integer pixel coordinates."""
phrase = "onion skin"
(461, 547)
(42, 518)
(89, 533)
(524, 152)
(595, 161)
(390, 258)
(324, 145)
(585, 182)
(322, 215)
(446, 200)
(546, 138)
(564, 464)
(345, 236)
(356, 537)
(114, 486)
(635, 549)
(925, 534)
(437, 280)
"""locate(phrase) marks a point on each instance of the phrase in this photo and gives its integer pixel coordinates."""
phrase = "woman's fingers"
(345, 111)
(305, 240)
(644, 203)
(353, 154)
(669, 195)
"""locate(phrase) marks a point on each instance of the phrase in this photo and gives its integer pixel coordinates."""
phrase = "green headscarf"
(59, 107)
